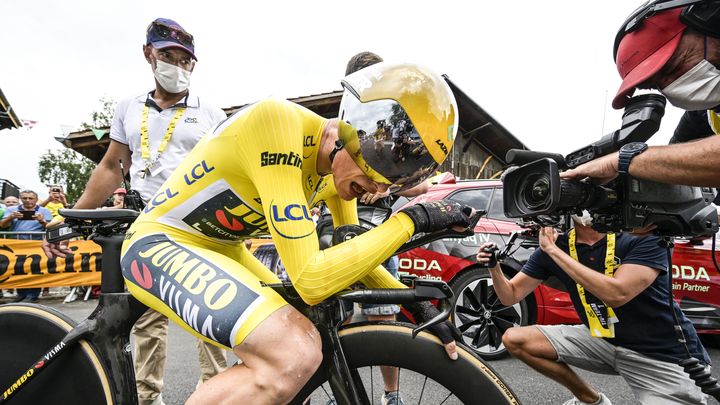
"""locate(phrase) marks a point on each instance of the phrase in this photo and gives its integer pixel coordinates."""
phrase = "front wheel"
(426, 375)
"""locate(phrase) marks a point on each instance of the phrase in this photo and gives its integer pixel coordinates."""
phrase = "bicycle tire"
(391, 344)
(77, 376)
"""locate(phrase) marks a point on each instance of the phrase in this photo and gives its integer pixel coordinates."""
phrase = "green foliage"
(66, 167)
(103, 117)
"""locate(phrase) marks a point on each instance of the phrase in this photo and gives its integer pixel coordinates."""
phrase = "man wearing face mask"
(663, 48)
(622, 280)
(151, 134)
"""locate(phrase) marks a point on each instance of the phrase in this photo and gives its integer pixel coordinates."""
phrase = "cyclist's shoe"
(392, 398)
(602, 401)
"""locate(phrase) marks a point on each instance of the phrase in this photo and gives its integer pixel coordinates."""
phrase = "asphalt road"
(182, 369)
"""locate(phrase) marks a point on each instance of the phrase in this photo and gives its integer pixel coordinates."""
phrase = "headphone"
(700, 15)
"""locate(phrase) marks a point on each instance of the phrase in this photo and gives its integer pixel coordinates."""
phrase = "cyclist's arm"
(345, 212)
(317, 274)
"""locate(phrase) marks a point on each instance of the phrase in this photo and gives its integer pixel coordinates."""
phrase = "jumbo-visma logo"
(203, 295)
(291, 221)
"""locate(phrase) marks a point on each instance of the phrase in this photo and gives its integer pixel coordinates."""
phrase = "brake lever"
(445, 307)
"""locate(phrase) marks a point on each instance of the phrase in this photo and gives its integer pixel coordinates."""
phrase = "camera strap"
(601, 318)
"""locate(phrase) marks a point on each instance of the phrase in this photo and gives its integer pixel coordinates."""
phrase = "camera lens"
(535, 191)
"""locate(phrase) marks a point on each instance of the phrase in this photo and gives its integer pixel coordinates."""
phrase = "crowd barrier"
(23, 263)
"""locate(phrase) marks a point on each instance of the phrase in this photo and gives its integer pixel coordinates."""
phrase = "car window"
(477, 198)
(496, 210)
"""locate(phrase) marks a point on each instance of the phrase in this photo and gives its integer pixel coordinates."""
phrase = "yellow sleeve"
(345, 212)
(315, 274)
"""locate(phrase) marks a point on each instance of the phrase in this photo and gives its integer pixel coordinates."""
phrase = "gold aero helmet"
(398, 122)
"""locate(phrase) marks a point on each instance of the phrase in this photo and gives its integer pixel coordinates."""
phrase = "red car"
(479, 314)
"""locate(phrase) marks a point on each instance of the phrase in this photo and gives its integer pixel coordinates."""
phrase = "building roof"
(476, 125)
(8, 117)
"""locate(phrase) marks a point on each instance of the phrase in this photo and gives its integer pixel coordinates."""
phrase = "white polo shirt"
(198, 119)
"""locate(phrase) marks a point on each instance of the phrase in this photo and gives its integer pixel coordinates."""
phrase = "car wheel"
(480, 316)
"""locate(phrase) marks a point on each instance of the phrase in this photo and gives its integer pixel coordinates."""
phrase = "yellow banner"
(23, 264)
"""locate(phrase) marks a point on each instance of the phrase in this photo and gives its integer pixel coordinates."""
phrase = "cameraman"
(622, 280)
(681, 62)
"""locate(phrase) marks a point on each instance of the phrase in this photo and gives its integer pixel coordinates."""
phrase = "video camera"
(535, 191)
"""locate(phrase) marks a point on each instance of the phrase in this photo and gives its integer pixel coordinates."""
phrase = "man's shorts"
(211, 289)
(652, 381)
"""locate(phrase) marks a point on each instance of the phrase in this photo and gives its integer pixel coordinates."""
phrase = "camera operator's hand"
(485, 254)
(600, 170)
(53, 250)
(547, 238)
(439, 215)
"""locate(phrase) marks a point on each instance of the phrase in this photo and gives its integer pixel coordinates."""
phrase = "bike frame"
(107, 328)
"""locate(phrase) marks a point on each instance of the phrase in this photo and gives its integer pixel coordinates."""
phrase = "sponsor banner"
(23, 264)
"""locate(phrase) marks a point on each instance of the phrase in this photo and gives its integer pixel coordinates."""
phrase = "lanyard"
(714, 121)
(145, 142)
(601, 318)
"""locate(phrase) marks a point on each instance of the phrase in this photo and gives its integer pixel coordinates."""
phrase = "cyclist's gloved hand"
(439, 215)
(447, 332)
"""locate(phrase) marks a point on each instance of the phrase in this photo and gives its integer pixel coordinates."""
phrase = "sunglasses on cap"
(165, 32)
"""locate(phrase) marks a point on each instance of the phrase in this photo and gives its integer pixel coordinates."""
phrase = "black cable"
(693, 367)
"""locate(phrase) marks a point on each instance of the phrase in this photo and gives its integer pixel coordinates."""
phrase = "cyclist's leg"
(149, 336)
(209, 293)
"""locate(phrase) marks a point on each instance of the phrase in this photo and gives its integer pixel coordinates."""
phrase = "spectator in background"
(11, 201)
(55, 201)
(26, 218)
(151, 134)
(119, 198)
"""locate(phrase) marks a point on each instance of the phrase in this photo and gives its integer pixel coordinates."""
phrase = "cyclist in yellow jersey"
(257, 174)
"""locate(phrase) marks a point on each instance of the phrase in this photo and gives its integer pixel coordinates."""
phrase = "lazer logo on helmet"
(292, 221)
(226, 216)
(202, 294)
(442, 146)
(286, 159)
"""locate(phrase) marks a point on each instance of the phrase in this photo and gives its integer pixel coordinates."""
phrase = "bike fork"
(346, 385)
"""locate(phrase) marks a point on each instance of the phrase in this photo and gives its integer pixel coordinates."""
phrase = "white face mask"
(698, 89)
(585, 220)
(172, 78)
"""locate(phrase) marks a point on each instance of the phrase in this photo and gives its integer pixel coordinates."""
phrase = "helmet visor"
(389, 144)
